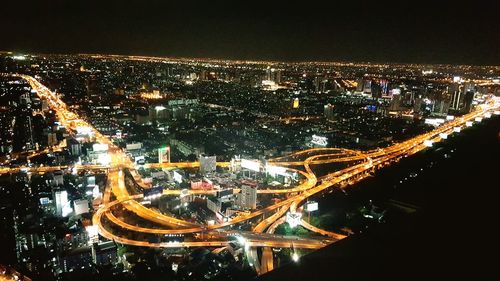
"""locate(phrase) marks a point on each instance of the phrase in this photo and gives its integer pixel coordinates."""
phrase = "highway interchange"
(358, 164)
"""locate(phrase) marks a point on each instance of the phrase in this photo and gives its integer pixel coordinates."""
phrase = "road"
(361, 163)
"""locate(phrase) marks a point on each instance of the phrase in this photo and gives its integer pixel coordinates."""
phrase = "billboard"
(164, 154)
(319, 140)
(434, 121)
(396, 91)
(44, 200)
(177, 177)
(253, 165)
(312, 206)
(133, 146)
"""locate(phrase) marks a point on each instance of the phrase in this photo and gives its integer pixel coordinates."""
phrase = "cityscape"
(153, 167)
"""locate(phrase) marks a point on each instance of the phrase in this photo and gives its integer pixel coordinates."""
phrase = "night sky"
(377, 31)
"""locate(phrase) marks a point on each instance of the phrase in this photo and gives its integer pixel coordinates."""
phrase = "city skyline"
(359, 31)
(259, 140)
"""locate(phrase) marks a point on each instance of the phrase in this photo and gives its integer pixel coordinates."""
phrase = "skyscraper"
(456, 100)
(248, 197)
(468, 98)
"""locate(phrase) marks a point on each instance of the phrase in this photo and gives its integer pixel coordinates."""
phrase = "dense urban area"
(146, 168)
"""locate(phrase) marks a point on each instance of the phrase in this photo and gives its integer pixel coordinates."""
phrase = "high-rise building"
(91, 86)
(75, 147)
(278, 77)
(63, 207)
(468, 98)
(367, 88)
(51, 139)
(248, 197)
(456, 100)
(268, 74)
(360, 85)
(317, 84)
(58, 178)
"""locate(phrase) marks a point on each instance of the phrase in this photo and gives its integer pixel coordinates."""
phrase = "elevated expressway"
(364, 162)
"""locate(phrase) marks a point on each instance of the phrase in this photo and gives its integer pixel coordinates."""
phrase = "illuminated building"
(51, 139)
(247, 198)
(456, 100)
(63, 207)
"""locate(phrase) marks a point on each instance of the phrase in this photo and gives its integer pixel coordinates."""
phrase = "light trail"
(116, 184)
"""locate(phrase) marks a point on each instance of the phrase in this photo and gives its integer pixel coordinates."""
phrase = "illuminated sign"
(428, 143)
(164, 154)
(371, 107)
(318, 140)
(468, 123)
(250, 164)
(434, 121)
(396, 91)
(456, 129)
(177, 177)
(296, 103)
(44, 200)
(312, 206)
(443, 136)
(133, 146)
(450, 117)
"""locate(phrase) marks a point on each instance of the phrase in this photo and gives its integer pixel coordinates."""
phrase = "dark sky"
(380, 31)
